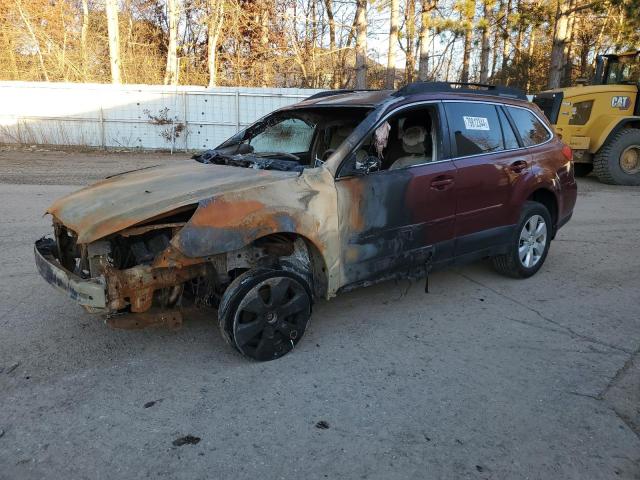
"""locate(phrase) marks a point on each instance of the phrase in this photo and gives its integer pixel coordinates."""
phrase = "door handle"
(442, 183)
(519, 166)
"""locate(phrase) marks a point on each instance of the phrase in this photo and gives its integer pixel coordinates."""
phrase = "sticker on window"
(476, 123)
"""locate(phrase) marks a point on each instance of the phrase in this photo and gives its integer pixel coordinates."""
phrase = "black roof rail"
(460, 87)
(330, 93)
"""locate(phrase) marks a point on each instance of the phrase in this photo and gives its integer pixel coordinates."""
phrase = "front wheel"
(264, 313)
(530, 244)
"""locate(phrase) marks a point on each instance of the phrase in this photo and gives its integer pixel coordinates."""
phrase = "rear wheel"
(582, 169)
(264, 313)
(529, 245)
(618, 161)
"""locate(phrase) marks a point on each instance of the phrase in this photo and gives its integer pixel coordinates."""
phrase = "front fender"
(304, 205)
(220, 225)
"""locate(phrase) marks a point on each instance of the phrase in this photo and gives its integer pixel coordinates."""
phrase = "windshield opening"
(288, 140)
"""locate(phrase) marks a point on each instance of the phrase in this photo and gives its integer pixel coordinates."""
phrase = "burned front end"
(134, 276)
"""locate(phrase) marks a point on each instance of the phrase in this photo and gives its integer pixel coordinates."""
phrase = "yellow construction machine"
(601, 121)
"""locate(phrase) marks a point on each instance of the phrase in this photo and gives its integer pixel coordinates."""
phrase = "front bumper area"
(87, 292)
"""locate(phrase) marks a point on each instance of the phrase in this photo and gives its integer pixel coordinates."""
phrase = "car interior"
(409, 139)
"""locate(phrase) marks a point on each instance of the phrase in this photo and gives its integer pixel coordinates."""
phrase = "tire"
(582, 169)
(609, 164)
(264, 312)
(511, 264)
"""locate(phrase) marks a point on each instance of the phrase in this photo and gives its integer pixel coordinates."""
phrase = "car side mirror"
(365, 164)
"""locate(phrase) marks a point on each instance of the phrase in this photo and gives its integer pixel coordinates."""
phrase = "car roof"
(414, 91)
(348, 98)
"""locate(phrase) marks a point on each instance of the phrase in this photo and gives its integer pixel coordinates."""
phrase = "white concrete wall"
(132, 116)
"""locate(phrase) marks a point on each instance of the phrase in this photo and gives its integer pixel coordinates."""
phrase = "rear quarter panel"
(552, 171)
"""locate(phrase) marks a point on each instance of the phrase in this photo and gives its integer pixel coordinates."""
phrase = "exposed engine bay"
(146, 282)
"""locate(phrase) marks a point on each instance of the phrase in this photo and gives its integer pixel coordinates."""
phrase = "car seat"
(414, 139)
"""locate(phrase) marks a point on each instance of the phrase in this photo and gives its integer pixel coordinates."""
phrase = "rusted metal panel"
(136, 286)
(305, 205)
(90, 293)
(122, 201)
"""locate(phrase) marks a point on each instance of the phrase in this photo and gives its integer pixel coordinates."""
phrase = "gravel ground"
(485, 377)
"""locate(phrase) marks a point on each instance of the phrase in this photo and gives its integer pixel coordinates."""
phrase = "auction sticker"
(476, 123)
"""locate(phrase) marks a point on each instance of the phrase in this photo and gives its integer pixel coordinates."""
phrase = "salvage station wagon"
(344, 189)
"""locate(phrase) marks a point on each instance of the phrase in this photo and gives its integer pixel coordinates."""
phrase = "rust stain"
(220, 213)
(356, 220)
(135, 286)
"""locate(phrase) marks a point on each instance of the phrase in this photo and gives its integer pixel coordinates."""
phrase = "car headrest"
(413, 139)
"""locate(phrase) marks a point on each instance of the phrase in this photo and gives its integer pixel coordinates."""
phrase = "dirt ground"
(72, 167)
(485, 377)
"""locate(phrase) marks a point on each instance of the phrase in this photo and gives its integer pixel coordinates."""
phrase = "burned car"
(342, 190)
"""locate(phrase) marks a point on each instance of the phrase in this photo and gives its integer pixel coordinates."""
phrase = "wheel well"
(548, 199)
(283, 246)
(622, 125)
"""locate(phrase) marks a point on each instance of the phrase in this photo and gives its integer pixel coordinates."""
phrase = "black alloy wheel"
(264, 313)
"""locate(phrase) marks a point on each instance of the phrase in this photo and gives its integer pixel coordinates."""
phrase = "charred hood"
(132, 198)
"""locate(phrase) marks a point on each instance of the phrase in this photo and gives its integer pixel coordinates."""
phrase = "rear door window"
(531, 129)
(475, 128)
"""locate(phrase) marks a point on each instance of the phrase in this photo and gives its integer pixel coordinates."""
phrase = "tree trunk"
(518, 46)
(361, 44)
(530, 62)
(216, 19)
(425, 28)
(506, 42)
(264, 46)
(558, 49)
(410, 22)
(34, 39)
(171, 73)
(393, 44)
(328, 6)
(485, 48)
(466, 16)
(496, 38)
(111, 9)
(83, 40)
(568, 60)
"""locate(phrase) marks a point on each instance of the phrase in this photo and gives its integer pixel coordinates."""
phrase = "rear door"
(490, 161)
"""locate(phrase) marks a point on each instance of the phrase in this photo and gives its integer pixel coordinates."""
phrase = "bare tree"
(393, 44)
(328, 6)
(34, 39)
(83, 39)
(560, 37)
(425, 26)
(111, 9)
(485, 48)
(506, 40)
(568, 62)
(171, 72)
(531, 46)
(410, 28)
(466, 16)
(216, 19)
(361, 44)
